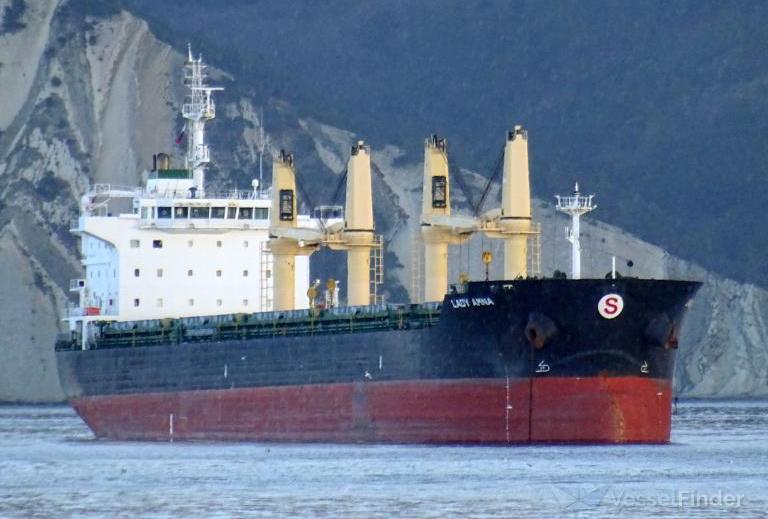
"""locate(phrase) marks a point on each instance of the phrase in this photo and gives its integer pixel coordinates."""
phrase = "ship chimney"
(436, 201)
(283, 215)
(515, 220)
(358, 225)
(163, 161)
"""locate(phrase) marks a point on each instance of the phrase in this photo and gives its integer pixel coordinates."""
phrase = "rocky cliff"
(89, 100)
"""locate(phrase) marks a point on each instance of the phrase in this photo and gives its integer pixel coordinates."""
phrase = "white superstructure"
(172, 249)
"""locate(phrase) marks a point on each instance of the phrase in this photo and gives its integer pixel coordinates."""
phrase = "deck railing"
(112, 190)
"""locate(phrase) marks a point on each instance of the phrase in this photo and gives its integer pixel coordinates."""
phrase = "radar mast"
(198, 108)
(575, 206)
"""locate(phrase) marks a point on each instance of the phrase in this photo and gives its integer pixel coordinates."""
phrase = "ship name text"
(467, 302)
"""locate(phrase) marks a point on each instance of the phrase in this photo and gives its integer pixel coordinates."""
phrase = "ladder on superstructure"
(267, 280)
(417, 267)
(377, 269)
(534, 251)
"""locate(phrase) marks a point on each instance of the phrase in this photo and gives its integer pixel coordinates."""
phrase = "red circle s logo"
(610, 306)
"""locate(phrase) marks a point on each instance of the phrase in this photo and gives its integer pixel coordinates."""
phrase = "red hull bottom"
(494, 411)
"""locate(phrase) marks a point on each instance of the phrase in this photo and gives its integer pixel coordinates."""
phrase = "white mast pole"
(575, 206)
(575, 246)
(261, 165)
(262, 144)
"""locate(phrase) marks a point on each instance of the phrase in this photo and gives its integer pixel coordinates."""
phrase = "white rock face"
(27, 369)
(92, 103)
(78, 107)
(21, 53)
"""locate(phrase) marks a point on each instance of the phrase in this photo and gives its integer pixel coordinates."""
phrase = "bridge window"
(218, 273)
(191, 302)
(218, 212)
(218, 302)
(163, 212)
(261, 213)
(231, 213)
(245, 302)
(201, 212)
(245, 273)
(246, 213)
(218, 243)
(157, 244)
(136, 273)
(180, 212)
(159, 273)
(189, 273)
(136, 302)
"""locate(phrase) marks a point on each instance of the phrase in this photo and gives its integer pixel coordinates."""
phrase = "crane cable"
(336, 193)
(494, 174)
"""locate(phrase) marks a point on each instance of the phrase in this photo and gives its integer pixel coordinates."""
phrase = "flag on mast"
(181, 135)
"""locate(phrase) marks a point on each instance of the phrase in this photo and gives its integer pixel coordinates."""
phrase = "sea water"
(716, 466)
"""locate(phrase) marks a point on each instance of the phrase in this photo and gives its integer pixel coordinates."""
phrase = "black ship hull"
(505, 362)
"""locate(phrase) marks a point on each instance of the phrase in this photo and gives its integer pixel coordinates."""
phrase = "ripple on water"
(50, 466)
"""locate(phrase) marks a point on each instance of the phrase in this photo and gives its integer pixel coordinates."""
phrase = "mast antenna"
(198, 108)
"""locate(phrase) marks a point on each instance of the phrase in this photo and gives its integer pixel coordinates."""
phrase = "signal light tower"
(575, 206)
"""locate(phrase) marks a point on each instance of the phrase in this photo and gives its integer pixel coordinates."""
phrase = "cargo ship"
(197, 320)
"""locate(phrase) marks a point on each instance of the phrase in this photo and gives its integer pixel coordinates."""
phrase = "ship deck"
(215, 328)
